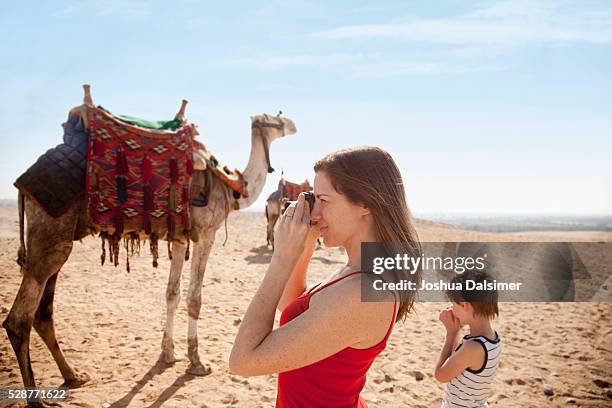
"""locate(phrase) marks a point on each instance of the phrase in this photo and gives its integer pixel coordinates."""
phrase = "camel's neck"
(256, 170)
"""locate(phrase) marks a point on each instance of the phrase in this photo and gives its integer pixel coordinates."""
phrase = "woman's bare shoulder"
(347, 294)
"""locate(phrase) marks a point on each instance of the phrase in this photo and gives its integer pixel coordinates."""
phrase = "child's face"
(462, 312)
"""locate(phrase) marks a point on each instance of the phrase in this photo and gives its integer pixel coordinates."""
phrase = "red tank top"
(335, 381)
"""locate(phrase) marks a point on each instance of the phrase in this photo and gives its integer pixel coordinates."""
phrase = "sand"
(109, 324)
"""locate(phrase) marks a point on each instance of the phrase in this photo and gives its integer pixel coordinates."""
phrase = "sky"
(487, 107)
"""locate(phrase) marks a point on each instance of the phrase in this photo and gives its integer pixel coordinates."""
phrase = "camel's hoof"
(51, 404)
(199, 369)
(43, 403)
(77, 381)
(170, 357)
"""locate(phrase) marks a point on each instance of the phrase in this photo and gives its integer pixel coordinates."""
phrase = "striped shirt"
(472, 388)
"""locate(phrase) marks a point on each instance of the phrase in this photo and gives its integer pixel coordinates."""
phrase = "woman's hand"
(294, 233)
(450, 321)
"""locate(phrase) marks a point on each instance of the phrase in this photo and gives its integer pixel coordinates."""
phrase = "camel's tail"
(21, 253)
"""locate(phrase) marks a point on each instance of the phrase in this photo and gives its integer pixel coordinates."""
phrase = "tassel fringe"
(103, 255)
(171, 227)
(115, 250)
(118, 223)
(153, 246)
(147, 170)
(174, 173)
(172, 198)
(122, 193)
(122, 164)
(93, 207)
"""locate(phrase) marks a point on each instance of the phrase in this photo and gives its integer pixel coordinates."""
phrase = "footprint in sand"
(230, 399)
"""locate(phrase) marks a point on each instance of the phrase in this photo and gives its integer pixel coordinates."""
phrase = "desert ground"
(109, 324)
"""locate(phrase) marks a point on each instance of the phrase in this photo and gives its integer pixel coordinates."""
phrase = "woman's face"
(339, 220)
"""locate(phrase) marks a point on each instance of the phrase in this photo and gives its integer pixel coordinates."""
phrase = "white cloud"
(506, 23)
(481, 40)
(399, 68)
(292, 61)
(106, 8)
(446, 62)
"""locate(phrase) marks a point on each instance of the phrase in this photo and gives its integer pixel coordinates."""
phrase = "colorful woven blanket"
(138, 179)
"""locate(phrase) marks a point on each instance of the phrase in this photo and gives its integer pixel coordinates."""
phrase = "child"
(469, 369)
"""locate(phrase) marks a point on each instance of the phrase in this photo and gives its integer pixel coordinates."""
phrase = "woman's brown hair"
(369, 176)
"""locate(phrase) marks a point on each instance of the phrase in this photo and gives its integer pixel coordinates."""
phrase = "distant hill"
(7, 202)
(524, 223)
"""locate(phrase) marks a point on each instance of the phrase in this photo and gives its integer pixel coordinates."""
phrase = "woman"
(328, 337)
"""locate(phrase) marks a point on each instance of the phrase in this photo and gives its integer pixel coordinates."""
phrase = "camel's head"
(273, 127)
(270, 128)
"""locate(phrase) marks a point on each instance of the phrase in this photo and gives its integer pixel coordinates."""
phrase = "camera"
(310, 198)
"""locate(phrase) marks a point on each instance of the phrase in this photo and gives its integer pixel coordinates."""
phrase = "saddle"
(291, 190)
(57, 178)
(205, 160)
(136, 174)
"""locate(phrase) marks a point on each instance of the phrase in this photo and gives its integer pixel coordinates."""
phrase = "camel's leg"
(269, 237)
(33, 305)
(18, 325)
(201, 251)
(173, 296)
(44, 325)
(271, 224)
(49, 243)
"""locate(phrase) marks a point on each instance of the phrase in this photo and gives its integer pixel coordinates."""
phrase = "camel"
(50, 241)
(286, 191)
